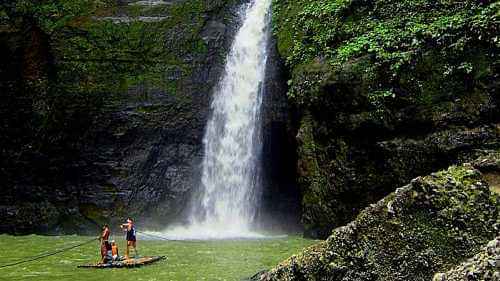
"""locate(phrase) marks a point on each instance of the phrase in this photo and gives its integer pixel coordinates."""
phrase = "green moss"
(148, 109)
(377, 78)
(401, 38)
(307, 149)
(493, 180)
(102, 57)
(94, 213)
(427, 226)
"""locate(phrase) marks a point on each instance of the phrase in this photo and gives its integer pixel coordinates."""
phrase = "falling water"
(229, 190)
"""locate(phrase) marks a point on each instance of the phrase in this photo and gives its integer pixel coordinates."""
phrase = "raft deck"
(135, 262)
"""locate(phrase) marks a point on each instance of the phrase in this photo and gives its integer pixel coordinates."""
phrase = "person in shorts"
(131, 237)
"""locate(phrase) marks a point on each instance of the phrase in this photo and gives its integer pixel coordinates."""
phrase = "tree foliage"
(396, 37)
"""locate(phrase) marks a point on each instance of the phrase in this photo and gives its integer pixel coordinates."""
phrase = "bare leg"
(102, 254)
(133, 245)
(127, 251)
(135, 251)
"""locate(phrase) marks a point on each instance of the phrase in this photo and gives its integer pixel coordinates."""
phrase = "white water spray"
(230, 182)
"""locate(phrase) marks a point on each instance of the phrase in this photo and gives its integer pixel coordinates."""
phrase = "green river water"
(186, 260)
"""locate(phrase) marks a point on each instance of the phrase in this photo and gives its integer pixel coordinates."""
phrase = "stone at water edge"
(435, 222)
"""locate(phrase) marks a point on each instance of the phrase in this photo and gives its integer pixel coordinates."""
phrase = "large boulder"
(427, 226)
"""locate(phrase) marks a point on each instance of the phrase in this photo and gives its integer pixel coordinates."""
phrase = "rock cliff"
(104, 105)
(385, 91)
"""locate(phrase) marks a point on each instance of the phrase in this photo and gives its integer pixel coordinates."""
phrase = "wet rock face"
(280, 204)
(115, 126)
(348, 159)
(122, 122)
(427, 226)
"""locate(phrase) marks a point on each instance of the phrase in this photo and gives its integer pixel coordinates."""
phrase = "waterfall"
(230, 181)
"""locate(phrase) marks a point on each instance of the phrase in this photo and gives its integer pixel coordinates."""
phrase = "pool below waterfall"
(186, 260)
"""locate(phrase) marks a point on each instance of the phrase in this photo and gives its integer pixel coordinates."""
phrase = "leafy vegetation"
(52, 15)
(395, 37)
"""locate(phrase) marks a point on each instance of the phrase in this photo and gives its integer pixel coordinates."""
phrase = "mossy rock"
(427, 226)
(482, 266)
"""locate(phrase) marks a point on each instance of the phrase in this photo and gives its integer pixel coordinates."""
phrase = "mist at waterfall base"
(228, 197)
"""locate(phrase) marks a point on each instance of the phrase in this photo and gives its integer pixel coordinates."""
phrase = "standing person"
(104, 239)
(131, 237)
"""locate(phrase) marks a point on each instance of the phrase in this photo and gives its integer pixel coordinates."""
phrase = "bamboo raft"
(135, 262)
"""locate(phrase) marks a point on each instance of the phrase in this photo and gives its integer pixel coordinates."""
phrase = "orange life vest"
(114, 250)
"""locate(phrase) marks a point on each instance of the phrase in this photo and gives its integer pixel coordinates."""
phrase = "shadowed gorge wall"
(281, 194)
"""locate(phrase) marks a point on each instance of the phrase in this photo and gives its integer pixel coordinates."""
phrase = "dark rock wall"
(280, 207)
(103, 114)
(117, 130)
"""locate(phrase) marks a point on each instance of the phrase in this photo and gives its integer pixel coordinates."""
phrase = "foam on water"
(201, 232)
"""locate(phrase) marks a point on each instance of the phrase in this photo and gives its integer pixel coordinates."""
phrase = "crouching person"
(114, 251)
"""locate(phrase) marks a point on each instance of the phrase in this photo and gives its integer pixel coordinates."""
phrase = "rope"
(154, 236)
(48, 254)
(158, 236)
(44, 255)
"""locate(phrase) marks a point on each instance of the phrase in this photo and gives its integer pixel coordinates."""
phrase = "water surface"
(186, 260)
